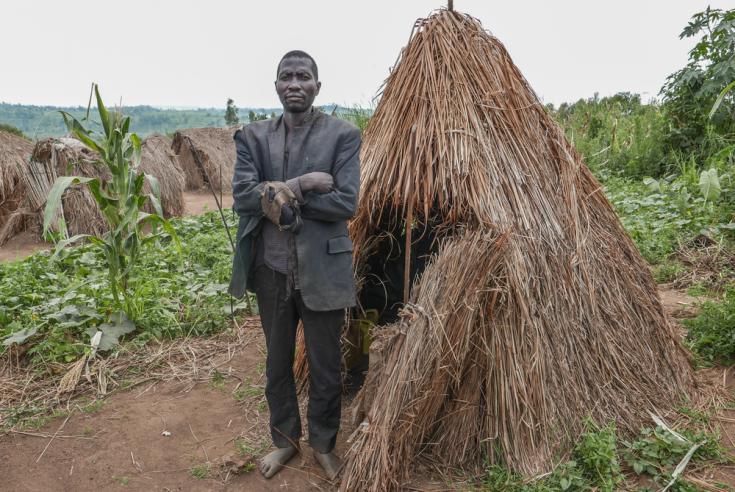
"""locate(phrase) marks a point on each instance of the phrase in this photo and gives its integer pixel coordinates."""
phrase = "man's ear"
(318, 87)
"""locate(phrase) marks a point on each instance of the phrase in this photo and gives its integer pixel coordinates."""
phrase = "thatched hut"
(55, 157)
(206, 155)
(528, 306)
(14, 152)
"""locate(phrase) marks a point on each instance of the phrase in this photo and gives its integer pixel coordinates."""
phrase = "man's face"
(296, 85)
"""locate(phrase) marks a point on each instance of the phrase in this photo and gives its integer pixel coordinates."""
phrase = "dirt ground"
(28, 242)
(162, 436)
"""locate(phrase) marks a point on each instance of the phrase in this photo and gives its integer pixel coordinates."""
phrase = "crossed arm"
(318, 202)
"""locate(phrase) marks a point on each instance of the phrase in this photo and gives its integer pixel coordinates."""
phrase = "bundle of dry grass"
(14, 152)
(69, 157)
(215, 150)
(157, 159)
(535, 311)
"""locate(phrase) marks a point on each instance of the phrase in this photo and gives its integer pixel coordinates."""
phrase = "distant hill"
(45, 121)
(38, 122)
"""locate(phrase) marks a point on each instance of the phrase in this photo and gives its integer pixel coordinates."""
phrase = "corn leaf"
(104, 115)
(54, 197)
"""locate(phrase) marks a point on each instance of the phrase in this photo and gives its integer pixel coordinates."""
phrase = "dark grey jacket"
(323, 247)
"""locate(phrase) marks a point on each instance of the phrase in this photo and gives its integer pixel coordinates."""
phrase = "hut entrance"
(384, 281)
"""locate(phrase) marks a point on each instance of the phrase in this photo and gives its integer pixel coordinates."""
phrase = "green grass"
(711, 335)
(200, 471)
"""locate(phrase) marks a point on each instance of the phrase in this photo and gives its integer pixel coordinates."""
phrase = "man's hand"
(316, 181)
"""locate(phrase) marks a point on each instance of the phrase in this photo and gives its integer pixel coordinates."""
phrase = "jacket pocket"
(339, 244)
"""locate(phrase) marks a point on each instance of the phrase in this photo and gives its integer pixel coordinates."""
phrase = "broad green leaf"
(54, 197)
(709, 185)
(20, 337)
(118, 326)
(653, 184)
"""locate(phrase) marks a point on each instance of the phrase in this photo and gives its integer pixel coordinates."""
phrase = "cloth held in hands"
(280, 206)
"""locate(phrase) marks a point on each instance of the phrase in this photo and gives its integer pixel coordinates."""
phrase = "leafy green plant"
(658, 451)
(120, 199)
(693, 94)
(711, 335)
(200, 471)
(596, 455)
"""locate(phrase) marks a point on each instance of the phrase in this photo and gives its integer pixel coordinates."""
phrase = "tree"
(231, 117)
(690, 93)
(253, 116)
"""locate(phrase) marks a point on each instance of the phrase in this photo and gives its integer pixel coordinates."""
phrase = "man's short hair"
(303, 55)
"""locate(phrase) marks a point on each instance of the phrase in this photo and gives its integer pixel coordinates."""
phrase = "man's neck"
(296, 119)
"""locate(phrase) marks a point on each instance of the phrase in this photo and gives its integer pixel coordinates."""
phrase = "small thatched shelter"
(55, 157)
(528, 306)
(14, 153)
(215, 150)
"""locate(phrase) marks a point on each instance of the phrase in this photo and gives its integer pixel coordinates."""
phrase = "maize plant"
(120, 198)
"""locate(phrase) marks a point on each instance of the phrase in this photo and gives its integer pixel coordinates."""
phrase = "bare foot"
(330, 462)
(274, 461)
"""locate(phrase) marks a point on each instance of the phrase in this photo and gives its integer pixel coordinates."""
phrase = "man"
(295, 186)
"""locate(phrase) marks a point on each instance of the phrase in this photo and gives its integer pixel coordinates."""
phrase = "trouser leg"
(322, 331)
(279, 317)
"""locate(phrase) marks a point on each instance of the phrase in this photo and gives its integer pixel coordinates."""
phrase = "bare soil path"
(28, 242)
(175, 435)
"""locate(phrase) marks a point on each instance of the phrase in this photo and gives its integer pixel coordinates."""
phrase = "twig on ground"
(53, 437)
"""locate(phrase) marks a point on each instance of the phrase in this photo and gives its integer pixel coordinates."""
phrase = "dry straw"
(14, 152)
(215, 148)
(157, 159)
(55, 157)
(536, 311)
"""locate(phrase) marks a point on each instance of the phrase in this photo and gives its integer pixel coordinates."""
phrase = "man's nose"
(294, 84)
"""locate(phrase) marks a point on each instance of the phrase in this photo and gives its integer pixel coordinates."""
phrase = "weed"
(122, 480)
(657, 451)
(596, 454)
(218, 380)
(93, 406)
(595, 463)
(667, 271)
(711, 334)
(200, 471)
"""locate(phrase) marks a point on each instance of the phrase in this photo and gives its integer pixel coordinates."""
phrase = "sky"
(189, 53)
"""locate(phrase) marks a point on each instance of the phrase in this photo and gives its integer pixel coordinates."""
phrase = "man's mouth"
(294, 97)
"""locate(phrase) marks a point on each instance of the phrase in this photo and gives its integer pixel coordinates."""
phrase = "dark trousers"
(280, 310)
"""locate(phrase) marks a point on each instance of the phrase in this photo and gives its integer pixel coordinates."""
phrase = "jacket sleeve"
(341, 202)
(246, 182)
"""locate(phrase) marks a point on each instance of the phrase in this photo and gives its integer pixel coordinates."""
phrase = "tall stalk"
(120, 198)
